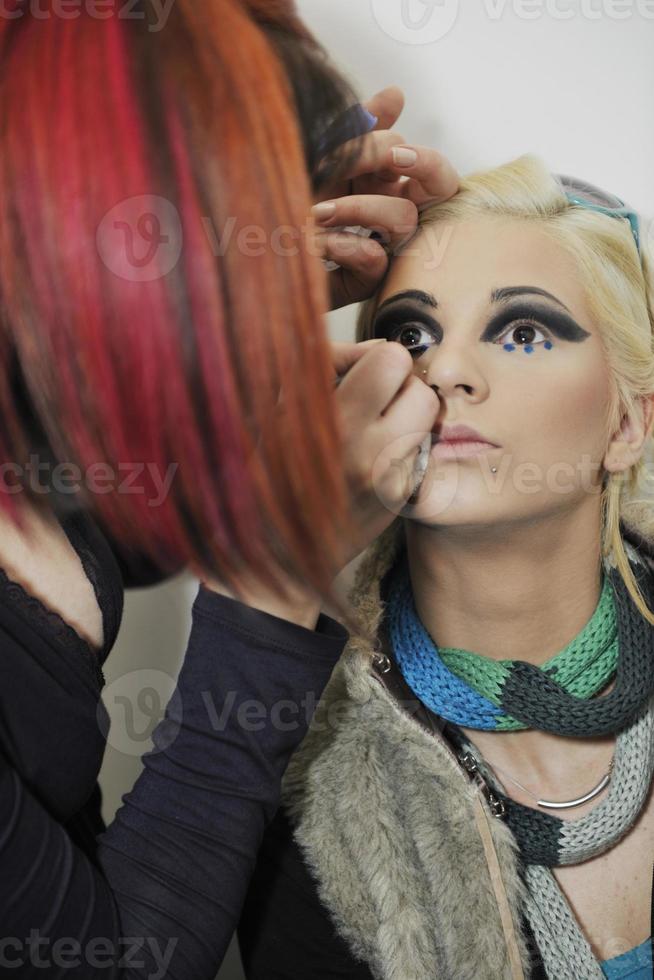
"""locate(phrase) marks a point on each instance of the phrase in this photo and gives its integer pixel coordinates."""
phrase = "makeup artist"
(126, 339)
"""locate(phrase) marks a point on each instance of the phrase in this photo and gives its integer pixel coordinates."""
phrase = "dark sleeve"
(285, 933)
(171, 872)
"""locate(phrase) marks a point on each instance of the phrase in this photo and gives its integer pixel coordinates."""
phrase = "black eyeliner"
(560, 324)
(396, 316)
(557, 322)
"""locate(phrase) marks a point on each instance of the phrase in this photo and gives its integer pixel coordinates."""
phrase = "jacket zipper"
(464, 762)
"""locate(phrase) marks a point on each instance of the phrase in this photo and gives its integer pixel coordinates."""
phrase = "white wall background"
(485, 81)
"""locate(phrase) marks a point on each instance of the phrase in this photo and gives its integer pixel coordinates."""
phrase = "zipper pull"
(381, 663)
(496, 805)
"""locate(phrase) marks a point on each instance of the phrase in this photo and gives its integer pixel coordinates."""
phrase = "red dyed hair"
(119, 145)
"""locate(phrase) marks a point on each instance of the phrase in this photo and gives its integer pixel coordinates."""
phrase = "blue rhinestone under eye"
(528, 349)
(548, 345)
(509, 346)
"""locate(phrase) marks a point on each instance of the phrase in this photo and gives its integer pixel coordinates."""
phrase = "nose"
(453, 372)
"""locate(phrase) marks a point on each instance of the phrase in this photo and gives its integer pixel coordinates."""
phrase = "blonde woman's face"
(494, 314)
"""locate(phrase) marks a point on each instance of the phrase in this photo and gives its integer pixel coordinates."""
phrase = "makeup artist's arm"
(303, 609)
(180, 852)
(163, 893)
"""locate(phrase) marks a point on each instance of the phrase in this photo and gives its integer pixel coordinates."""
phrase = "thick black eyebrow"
(416, 294)
(497, 296)
(508, 292)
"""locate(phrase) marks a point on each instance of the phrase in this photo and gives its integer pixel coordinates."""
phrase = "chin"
(439, 509)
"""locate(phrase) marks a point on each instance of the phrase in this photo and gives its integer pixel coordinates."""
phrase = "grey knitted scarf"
(547, 840)
(564, 948)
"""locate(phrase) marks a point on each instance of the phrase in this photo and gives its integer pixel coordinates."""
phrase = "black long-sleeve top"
(159, 892)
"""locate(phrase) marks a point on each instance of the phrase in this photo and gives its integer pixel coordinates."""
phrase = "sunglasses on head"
(595, 199)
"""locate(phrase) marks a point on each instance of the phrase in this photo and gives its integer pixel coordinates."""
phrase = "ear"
(626, 446)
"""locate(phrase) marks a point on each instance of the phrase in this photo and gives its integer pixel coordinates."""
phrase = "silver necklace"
(554, 804)
(563, 804)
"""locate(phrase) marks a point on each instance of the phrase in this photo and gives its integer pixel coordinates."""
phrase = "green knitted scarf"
(583, 667)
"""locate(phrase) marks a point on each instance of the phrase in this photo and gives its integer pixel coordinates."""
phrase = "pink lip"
(460, 449)
(459, 433)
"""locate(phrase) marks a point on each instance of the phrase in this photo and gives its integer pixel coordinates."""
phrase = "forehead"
(462, 262)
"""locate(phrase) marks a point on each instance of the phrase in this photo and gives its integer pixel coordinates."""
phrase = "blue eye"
(527, 329)
(409, 335)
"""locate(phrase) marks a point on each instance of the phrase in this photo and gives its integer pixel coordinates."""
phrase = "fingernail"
(403, 156)
(370, 117)
(323, 210)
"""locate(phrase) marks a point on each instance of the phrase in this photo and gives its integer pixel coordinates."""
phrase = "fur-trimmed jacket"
(405, 849)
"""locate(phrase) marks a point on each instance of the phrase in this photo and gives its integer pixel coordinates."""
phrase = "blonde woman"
(473, 798)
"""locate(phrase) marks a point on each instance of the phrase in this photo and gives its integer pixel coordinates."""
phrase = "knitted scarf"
(552, 697)
(474, 694)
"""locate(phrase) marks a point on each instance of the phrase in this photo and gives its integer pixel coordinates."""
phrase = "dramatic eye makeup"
(406, 318)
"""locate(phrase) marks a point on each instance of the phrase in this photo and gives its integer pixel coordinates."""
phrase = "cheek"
(564, 408)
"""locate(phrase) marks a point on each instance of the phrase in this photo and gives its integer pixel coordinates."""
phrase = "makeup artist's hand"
(388, 183)
(385, 412)
(382, 405)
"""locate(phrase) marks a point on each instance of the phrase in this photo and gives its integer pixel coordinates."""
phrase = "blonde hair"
(620, 293)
